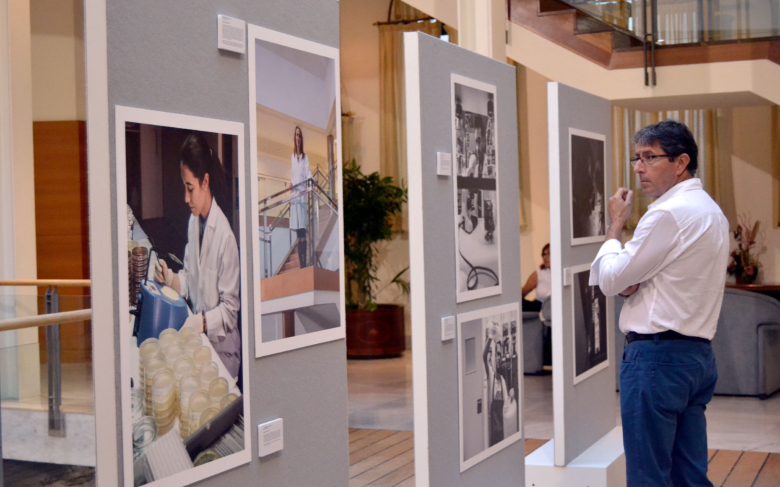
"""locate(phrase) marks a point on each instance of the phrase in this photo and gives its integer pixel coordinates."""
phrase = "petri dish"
(208, 415)
(218, 388)
(182, 366)
(200, 355)
(208, 372)
(174, 351)
(199, 402)
(185, 332)
(148, 347)
(168, 336)
(225, 402)
(192, 343)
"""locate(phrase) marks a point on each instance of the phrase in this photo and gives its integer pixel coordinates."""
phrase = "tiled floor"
(380, 397)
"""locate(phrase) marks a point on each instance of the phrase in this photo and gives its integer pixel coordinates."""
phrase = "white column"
(482, 27)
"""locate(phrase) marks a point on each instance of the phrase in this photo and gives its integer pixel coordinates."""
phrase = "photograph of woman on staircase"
(296, 123)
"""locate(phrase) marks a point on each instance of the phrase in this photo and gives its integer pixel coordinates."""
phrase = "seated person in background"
(539, 280)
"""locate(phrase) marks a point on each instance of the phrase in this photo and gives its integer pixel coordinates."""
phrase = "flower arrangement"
(744, 263)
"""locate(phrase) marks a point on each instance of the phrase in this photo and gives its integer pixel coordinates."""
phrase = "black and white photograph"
(295, 120)
(588, 187)
(182, 352)
(477, 236)
(590, 326)
(489, 364)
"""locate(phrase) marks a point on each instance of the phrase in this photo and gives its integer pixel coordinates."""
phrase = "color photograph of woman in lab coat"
(184, 263)
(297, 119)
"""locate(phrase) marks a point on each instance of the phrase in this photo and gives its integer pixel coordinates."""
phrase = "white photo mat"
(464, 296)
(165, 119)
(609, 328)
(593, 136)
(467, 317)
(255, 33)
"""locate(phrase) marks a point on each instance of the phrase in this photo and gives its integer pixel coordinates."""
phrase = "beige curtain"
(704, 126)
(520, 94)
(392, 102)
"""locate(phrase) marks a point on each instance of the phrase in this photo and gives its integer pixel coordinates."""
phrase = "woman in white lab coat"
(299, 212)
(210, 277)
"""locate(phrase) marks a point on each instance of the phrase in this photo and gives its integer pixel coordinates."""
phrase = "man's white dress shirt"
(678, 256)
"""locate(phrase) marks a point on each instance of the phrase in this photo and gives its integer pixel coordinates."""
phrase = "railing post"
(266, 256)
(56, 419)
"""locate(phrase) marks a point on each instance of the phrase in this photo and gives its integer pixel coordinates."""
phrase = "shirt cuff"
(610, 247)
(214, 323)
(183, 284)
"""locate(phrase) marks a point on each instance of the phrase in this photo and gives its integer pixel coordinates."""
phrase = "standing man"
(671, 275)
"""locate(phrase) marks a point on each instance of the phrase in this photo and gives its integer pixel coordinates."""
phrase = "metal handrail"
(308, 182)
(46, 320)
(47, 282)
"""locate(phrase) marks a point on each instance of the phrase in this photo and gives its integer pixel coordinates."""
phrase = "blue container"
(157, 312)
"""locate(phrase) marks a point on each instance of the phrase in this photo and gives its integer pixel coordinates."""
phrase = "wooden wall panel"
(61, 224)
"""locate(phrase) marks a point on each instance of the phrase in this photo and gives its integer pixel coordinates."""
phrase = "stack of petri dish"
(188, 385)
(174, 351)
(149, 347)
(199, 402)
(168, 336)
(218, 389)
(208, 372)
(144, 434)
(164, 400)
(192, 343)
(185, 332)
(201, 355)
(153, 364)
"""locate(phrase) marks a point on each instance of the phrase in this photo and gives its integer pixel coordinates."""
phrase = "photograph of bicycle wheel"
(477, 241)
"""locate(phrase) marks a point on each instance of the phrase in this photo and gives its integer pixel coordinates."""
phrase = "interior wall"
(750, 132)
(535, 167)
(58, 77)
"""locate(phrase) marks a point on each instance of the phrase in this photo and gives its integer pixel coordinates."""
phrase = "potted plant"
(743, 264)
(370, 203)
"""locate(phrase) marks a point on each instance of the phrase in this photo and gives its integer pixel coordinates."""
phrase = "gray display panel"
(584, 399)
(163, 56)
(430, 64)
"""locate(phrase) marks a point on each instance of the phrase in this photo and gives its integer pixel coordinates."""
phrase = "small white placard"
(444, 164)
(567, 276)
(447, 328)
(270, 437)
(231, 34)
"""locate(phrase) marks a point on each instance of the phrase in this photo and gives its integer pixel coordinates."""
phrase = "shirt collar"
(679, 188)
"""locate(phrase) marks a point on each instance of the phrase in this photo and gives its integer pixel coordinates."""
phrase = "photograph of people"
(296, 120)
(590, 326)
(210, 276)
(588, 201)
(489, 382)
(476, 190)
(185, 379)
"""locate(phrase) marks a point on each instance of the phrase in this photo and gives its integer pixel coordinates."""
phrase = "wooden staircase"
(600, 43)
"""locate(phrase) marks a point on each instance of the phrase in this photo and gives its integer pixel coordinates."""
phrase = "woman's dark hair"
(458, 110)
(490, 107)
(198, 157)
(546, 248)
(674, 138)
(295, 146)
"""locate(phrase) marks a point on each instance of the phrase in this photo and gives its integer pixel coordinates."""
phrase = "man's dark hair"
(674, 138)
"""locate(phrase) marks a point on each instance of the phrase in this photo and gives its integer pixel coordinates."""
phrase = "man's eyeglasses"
(648, 160)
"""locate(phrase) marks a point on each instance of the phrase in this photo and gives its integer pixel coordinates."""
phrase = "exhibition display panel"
(463, 229)
(584, 399)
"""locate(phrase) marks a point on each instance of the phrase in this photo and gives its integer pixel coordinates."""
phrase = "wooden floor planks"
(386, 459)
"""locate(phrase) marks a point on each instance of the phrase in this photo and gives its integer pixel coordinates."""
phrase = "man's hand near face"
(619, 208)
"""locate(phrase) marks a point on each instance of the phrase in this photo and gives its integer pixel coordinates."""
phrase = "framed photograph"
(591, 325)
(295, 122)
(477, 230)
(588, 185)
(489, 366)
(182, 276)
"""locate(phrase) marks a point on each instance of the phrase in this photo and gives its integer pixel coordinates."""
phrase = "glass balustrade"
(48, 407)
(692, 21)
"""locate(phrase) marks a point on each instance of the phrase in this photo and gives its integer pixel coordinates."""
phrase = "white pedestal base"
(601, 465)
